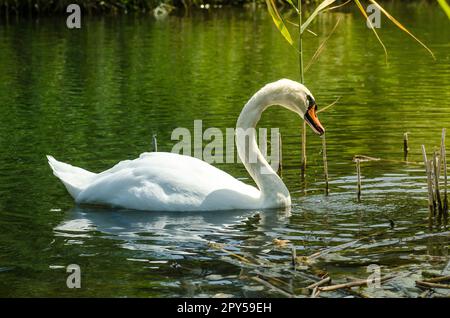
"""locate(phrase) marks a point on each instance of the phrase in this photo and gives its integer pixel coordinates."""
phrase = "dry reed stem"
(280, 155)
(303, 167)
(431, 285)
(405, 146)
(352, 284)
(319, 283)
(330, 105)
(325, 163)
(358, 174)
(436, 279)
(444, 164)
(437, 193)
(429, 184)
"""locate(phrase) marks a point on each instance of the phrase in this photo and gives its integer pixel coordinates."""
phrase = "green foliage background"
(99, 6)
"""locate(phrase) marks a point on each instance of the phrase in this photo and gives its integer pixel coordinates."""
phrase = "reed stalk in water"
(405, 146)
(280, 155)
(358, 175)
(444, 164)
(302, 78)
(437, 193)
(325, 163)
(429, 185)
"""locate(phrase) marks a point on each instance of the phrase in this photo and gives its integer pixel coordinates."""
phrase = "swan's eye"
(310, 100)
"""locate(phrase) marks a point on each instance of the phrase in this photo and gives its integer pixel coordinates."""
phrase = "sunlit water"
(95, 96)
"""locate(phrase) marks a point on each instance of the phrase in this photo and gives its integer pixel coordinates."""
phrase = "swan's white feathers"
(162, 181)
(158, 181)
(74, 179)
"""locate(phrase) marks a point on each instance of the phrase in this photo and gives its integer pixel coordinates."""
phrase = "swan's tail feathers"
(74, 179)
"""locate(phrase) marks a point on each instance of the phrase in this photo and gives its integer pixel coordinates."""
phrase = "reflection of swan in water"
(162, 232)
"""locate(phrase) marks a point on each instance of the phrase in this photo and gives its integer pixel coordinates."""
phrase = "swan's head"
(297, 98)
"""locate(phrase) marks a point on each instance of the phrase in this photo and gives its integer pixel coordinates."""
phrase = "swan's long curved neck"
(269, 183)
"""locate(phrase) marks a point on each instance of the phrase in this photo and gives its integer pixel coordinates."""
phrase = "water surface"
(95, 96)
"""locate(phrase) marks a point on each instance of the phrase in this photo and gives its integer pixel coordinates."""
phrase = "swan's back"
(166, 182)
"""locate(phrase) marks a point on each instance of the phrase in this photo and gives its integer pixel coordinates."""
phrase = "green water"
(95, 96)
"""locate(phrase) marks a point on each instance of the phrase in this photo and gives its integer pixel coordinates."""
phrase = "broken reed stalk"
(405, 146)
(358, 175)
(437, 279)
(429, 185)
(353, 284)
(319, 283)
(280, 156)
(155, 144)
(444, 163)
(431, 285)
(437, 193)
(325, 163)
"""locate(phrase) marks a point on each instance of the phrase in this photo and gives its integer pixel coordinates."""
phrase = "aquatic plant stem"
(300, 42)
(280, 156)
(437, 194)
(429, 185)
(358, 176)
(405, 147)
(444, 163)
(302, 80)
(325, 164)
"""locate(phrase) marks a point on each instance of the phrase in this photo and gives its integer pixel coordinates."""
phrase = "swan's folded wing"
(166, 182)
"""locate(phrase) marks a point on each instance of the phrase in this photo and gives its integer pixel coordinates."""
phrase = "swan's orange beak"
(313, 121)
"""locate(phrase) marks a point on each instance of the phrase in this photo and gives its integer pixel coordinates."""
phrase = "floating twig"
(221, 248)
(315, 293)
(352, 284)
(421, 283)
(325, 163)
(364, 158)
(332, 249)
(436, 279)
(319, 283)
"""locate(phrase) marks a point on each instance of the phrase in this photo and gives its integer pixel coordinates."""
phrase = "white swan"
(161, 181)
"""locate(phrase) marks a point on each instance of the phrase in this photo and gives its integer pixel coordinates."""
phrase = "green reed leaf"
(319, 8)
(360, 7)
(400, 26)
(278, 20)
